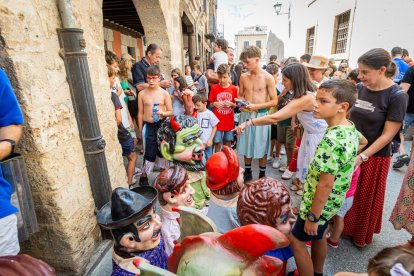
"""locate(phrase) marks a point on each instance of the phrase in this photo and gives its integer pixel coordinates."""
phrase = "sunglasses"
(152, 77)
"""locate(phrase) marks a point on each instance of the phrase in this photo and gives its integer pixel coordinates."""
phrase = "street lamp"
(278, 7)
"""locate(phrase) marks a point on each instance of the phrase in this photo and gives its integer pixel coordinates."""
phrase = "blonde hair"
(125, 68)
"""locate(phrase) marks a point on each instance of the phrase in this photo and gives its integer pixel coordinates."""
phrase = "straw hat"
(317, 62)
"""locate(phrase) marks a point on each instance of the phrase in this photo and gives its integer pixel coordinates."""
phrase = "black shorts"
(151, 144)
(273, 132)
(133, 108)
(299, 233)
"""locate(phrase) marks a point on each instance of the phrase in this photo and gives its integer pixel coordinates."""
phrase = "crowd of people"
(337, 126)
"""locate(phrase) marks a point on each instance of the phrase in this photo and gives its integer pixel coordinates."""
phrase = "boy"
(207, 122)
(154, 105)
(201, 80)
(124, 137)
(220, 57)
(328, 177)
(222, 97)
(259, 89)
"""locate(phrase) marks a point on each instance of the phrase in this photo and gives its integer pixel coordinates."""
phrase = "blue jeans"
(208, 152)
(408, 120)
(223, 136)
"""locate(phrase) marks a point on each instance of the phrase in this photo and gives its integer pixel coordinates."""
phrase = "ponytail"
(391, 70)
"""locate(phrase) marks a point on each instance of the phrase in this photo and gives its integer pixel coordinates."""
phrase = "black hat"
(126, 207)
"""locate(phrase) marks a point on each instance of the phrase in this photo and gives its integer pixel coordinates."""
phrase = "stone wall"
(51, 145)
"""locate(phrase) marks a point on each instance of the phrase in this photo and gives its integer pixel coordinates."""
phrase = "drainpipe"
(74, 55)
(352, 30)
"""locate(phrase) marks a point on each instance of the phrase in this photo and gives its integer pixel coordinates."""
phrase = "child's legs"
(132, 159)
(302, 258)
(278, 149)
(289, 144)
(319, 250)
(338, 227)
(218, 140)
(228, 138)
(208, 152)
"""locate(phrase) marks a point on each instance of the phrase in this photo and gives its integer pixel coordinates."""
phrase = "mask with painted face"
(266, 201)
(135, 226)
(179, 142)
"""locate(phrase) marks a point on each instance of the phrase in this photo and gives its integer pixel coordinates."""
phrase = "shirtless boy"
(151, 117)
(259, 89)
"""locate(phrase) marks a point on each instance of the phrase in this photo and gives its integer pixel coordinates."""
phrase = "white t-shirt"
(124, 110)
(220, 58)
(206, 120)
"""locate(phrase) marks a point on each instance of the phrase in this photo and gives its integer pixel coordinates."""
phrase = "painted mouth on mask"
(198, 156)
(156, 234)
(190, 200)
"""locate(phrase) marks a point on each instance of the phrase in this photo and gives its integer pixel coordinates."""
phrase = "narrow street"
(348, 257)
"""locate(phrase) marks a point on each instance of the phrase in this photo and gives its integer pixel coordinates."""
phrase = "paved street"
(347, 257)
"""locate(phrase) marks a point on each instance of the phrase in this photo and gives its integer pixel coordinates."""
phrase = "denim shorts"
(299, 231)
(223, 136)
(345, 206)
(408, 120)
(127, 147)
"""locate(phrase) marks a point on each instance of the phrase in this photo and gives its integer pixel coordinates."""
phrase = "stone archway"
(160, 26)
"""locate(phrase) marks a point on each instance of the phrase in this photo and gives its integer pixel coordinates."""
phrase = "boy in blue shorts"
(124, 136)
(222, 97)
(329, 175)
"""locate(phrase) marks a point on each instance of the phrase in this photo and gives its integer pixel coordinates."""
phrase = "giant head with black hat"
(136, 228)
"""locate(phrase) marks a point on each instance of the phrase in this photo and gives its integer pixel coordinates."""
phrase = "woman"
(378, 115)
(403, 214)
(173, 90)
(295, 78)
(123, 74)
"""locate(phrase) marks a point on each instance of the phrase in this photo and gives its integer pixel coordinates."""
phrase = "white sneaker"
(282, 168)
(270, 160)
(282, 151)
(276, 163)
(287, 174)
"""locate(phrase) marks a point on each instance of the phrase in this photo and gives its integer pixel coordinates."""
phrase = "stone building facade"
(51, 145)
(252, 36)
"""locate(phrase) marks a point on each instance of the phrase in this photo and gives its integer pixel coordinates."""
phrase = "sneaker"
(287, 174)
(276, 163)
(282, 168)
(299, 192)
(308, 244)
(270, 160)
(247, 176)
(293, 273)
(282, 151)
(332, 244)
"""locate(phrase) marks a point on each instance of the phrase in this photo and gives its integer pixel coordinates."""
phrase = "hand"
(252, 107)
(165, 83)
(311, 228)
(226, 103)
(208, 143)
(358, 161)
(196, 83)
(219, 104)
(240, 128)
(160, 113)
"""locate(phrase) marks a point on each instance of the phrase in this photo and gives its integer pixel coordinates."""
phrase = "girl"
(295, 78)
(189, 79)
(184, 94)
(378, 114)
(173, 90)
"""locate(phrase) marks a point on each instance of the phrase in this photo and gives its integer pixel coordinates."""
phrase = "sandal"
(299, 192)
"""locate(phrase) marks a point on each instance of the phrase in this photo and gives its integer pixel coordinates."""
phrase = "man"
(396, 54)
(212, 76)
(406, 57)
(305, 58)
(407, 83)
(317, 66)
(258, 88)
(153, 55)
(332, 65)
(11, 119)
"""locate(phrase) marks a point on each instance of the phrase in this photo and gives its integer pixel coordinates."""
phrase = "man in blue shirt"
(11, 119)
(396, 54)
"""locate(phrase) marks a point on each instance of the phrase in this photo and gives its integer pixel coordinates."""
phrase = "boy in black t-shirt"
(124, 137)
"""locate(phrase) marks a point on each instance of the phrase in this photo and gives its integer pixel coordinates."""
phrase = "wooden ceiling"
(122, 13)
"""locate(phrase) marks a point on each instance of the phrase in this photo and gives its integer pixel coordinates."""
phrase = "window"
(310, 40)
(341, 28)
(259, 44)
(131, 51)
(245, 44)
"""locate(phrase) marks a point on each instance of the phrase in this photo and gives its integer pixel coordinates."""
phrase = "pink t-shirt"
(354, 182)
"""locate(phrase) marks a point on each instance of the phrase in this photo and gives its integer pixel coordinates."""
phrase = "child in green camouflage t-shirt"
(329, 174)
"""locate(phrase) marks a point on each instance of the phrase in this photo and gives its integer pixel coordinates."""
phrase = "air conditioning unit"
(14, 171)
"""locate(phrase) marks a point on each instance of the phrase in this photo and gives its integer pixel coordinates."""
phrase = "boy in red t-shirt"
(222, 97)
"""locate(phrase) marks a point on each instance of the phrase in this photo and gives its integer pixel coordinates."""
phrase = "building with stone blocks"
(252, 36)
(344, 29)
(31, 55)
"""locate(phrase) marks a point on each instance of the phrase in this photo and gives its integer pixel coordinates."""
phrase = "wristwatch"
(312, 217)
(12, 143)
(363, 157)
